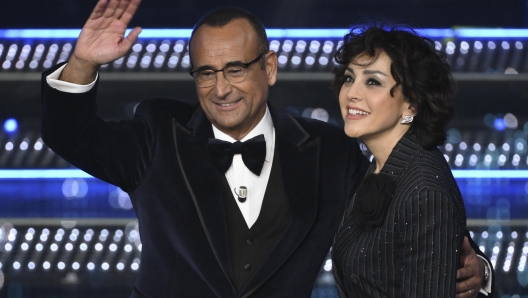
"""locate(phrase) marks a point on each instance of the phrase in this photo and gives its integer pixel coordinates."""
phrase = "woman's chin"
(353, 133)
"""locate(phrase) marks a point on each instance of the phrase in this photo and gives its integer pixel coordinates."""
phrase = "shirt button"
(249, 241)
(247, 267)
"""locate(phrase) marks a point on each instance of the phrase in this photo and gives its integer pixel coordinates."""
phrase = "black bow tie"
(253, 153)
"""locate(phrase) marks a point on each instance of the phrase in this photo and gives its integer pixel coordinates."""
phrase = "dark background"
(279, 13)
(480, 93)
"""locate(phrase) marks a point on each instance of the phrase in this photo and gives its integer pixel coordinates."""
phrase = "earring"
(407, 119)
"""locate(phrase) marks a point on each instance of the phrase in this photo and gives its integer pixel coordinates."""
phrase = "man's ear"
(271, 67)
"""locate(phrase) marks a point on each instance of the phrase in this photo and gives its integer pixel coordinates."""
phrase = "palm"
(102, 38)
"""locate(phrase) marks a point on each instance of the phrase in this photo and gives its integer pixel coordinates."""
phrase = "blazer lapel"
(204, 184)
(405, 150)
(299, 157)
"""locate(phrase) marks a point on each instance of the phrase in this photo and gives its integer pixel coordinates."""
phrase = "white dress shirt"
(238, 174)
(53, 81)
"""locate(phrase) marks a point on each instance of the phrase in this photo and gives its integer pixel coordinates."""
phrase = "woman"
(403, 230)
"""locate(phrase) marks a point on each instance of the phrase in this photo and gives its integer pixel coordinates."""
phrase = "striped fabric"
(415, 253)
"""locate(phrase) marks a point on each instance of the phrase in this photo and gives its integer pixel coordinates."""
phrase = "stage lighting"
(301, 46)
(310, 60)
(283, 59)
(328, 47)
(499, 123)
(10, 125)
(511, 121)
(287, 46)
(274, 45)
(473, 160)
(186, 61)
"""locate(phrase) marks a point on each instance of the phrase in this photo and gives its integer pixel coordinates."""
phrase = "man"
(216, 220)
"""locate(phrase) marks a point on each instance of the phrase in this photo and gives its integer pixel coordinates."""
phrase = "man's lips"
(222, 104)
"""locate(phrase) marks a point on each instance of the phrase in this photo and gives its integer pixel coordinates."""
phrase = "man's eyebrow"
(230, 63)
(204, 67)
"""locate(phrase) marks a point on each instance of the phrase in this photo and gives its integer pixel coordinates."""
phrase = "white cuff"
(487, 288)
(54, 82)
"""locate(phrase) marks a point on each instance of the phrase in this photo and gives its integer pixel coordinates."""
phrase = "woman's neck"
(381, 147)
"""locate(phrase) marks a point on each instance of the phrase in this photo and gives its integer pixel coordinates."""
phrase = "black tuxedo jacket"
(159, 158)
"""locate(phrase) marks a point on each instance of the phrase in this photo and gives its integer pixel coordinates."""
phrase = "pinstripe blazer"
(415, 253)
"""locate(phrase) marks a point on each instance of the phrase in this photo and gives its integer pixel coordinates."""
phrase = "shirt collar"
(265, 127)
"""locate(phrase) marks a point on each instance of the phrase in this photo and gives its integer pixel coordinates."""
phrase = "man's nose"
(222, 86)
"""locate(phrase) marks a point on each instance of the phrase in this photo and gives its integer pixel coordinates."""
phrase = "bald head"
(223, 16)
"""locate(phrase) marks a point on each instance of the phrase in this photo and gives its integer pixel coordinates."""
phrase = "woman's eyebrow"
(368, 71)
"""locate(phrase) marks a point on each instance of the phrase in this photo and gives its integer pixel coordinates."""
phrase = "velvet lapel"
(300, 170)
(204, 184)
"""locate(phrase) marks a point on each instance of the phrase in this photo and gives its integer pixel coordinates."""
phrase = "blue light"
(75, 173)
(40, 174)
(10, 125)
(437, 33)
(490, 174)
(499, 124)
(273, 33)
(491, 33)
(164, 33)
(306, 33)
(74, 33)
(40, 33)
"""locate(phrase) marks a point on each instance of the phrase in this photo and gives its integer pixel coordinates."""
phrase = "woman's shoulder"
(428, 170)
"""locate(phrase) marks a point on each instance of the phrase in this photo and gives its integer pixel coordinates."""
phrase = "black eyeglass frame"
(245, 65)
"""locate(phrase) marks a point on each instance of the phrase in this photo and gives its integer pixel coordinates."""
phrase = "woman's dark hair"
(417, 66)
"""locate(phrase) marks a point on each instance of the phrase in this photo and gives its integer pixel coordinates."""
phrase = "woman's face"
(367, 107)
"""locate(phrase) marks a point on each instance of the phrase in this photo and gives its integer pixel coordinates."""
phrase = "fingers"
(468, 257)
(121, 6)
(116, 9)
(464, 273)
(99, 9)
(129, 41)
(132, 37)
(470, 293)
(466, 285)
(466, 247)
(111, 8)
(129, 11)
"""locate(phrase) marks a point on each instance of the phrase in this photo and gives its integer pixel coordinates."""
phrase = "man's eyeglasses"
(233, 72)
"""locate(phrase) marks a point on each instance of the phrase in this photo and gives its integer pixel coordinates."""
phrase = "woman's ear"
(411, 110)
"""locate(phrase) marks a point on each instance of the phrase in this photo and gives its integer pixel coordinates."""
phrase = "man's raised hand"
(102, 40)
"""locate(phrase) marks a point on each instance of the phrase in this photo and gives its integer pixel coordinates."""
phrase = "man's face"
(234, 108)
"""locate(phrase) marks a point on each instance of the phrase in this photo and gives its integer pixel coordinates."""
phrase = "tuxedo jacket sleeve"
(117, 152)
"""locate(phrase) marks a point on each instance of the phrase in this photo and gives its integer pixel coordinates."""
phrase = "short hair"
(417, 66)
(223, 16)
